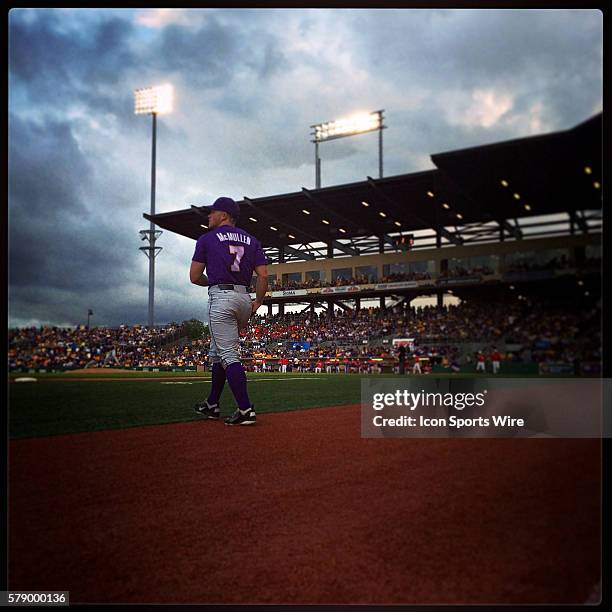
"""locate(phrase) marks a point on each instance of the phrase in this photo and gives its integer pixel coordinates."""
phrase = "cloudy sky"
(248, 84)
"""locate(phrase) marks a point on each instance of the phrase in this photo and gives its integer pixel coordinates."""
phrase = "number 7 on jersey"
(237, 252)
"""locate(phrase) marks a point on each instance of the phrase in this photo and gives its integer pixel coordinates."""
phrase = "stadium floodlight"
(152, 101)
(356, 124)
(360, 123)
(158, 100)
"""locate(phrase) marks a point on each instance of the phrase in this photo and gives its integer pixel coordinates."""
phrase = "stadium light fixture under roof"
(157, 100)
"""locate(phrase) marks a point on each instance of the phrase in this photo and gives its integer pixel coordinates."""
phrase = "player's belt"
(230, 287)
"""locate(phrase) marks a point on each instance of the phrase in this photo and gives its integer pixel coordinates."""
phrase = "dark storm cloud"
(212, 53)
(59, 66)
(47, 169)
(56, 238)
(206, 54)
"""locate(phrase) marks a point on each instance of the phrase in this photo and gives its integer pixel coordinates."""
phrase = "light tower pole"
(152, 101)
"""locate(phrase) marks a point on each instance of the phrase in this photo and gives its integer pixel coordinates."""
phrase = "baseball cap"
(225, 204)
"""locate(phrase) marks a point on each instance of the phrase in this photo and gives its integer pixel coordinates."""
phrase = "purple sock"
(238, 384)
(218, 381)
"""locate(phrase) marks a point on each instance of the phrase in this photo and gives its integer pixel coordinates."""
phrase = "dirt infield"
(301, 509)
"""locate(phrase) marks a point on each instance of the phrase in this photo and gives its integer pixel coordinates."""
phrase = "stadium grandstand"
(504, 239)
(511, 212)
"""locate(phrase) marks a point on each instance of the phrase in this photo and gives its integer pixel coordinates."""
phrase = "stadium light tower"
(152, 101)
(351, 126)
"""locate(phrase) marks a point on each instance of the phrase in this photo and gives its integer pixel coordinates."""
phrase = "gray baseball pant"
(228, 312)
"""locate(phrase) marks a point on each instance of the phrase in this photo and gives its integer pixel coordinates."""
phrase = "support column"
(357, 303)
(330, 250)
(440, 299)
(330, 309)
(281, 309)
(270, 309)
(382, 302)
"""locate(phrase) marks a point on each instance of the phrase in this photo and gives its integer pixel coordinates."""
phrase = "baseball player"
(495, 359)
(416, 368)
(480, 363)
(229, 255)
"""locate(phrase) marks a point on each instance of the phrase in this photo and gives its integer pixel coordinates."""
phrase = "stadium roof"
(547, 174)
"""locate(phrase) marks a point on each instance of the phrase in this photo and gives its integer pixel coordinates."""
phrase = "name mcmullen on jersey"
(230, 256)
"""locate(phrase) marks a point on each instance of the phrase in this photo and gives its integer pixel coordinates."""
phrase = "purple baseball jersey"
(230, 255)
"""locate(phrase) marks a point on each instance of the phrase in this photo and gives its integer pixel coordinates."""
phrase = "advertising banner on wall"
(344, 289)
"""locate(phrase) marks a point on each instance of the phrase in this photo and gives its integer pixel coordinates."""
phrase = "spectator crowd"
(284, 285)
(352, 341)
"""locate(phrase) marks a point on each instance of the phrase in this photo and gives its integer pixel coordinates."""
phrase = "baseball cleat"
(210, 411)
(242, 417)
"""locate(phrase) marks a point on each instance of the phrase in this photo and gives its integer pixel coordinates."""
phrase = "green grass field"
(71, 403)
(58, 404)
